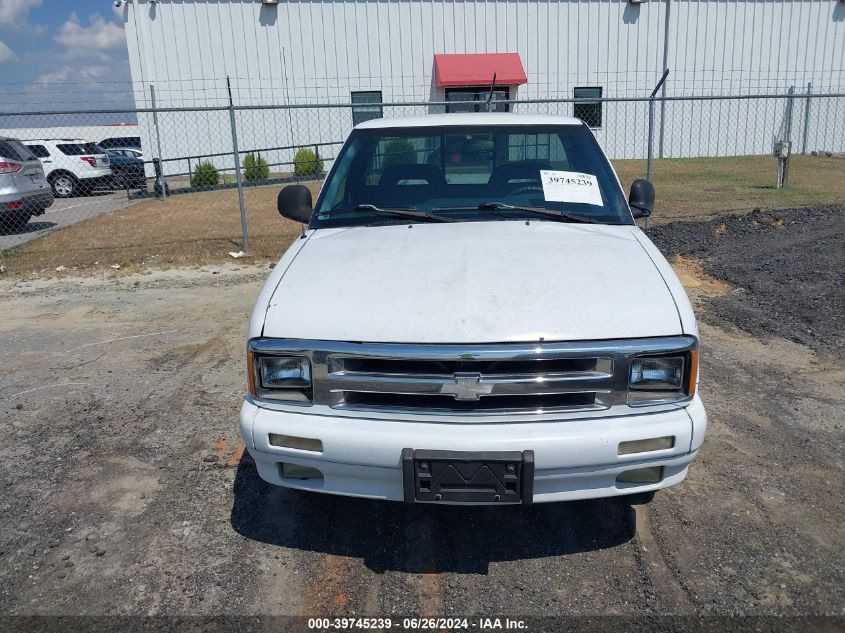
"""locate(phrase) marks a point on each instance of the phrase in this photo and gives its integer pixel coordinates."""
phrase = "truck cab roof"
(465, 119)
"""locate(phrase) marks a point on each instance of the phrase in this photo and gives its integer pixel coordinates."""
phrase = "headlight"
(280, 377)
(284, 372)
(662, 379)
(664, 374)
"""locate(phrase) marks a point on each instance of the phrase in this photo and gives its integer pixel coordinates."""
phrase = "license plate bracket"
(491, 477)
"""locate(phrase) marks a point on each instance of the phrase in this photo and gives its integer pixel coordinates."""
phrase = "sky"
(57, 54)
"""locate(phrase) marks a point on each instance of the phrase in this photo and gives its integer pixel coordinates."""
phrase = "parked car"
(116, 142)
(24, 190)
(472, 316)
(127, 171)
(129, 152)
(73, 166)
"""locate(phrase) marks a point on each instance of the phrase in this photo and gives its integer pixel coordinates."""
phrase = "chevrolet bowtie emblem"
(467, 386)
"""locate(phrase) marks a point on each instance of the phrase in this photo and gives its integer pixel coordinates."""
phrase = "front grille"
(468, 384)
(391, 366)
(448, 404)
(471, 379)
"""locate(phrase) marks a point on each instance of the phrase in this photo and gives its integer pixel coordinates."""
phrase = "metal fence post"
(790, 104)
(649, 173)
(236, 155)
(806, 118)
(159, 172)
(650, 163)
(666, 25)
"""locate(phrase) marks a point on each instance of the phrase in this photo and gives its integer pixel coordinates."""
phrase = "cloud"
(68, 74)
(73, 86)
(99, 34)
(15, 11)
(7, 54)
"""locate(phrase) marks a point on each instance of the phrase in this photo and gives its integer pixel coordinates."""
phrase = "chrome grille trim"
(606, 382)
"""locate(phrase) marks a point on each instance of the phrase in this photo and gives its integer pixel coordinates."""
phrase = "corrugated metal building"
(370, 51)
(96, 133)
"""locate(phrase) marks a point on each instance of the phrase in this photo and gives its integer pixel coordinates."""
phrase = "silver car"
(24, 191)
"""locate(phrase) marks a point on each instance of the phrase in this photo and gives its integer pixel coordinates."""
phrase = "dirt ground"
(783, 269)
(126, 490)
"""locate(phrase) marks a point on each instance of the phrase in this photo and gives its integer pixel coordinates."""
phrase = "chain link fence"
(96, 162)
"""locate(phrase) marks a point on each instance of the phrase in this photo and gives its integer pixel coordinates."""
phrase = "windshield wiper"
(425, 216)
(560, 216)
(551, 213)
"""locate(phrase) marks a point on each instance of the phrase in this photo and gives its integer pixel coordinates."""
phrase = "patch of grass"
(697, 188)
(4, 258)
(184, 230)
(201, 228)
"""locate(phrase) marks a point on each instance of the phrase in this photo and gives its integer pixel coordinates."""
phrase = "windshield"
(471, 173)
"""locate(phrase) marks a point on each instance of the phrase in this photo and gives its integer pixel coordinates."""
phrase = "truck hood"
(472, 282)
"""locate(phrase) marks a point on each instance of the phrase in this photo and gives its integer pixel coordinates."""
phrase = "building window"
(586, 106)
(369, 108)
(479, 96)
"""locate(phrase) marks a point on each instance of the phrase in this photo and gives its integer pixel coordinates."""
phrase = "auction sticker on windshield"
(570, 186)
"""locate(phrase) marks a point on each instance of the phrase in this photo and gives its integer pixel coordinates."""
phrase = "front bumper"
(574, 459)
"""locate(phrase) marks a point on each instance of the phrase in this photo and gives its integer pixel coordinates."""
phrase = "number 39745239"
(571, 181)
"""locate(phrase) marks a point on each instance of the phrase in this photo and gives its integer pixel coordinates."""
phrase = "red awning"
(477, 69)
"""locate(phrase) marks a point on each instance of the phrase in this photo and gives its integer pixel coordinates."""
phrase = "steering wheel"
(525, 189)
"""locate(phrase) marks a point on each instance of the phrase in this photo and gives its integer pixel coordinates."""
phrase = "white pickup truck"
(473, 317)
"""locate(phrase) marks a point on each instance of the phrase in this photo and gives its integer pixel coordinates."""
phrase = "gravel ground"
(126, 491)
(786, 270)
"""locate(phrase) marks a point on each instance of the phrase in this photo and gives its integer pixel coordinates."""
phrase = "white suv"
(72, 166)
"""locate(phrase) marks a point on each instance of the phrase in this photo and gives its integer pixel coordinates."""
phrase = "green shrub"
(255, 168)
(205, 175)
(307, 163)
(399, 151)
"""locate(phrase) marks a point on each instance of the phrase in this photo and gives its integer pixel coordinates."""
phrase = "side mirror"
(641, 198)
(294, 203)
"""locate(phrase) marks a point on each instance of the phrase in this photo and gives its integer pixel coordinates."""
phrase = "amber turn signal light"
(250, 372)
(693, 371)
